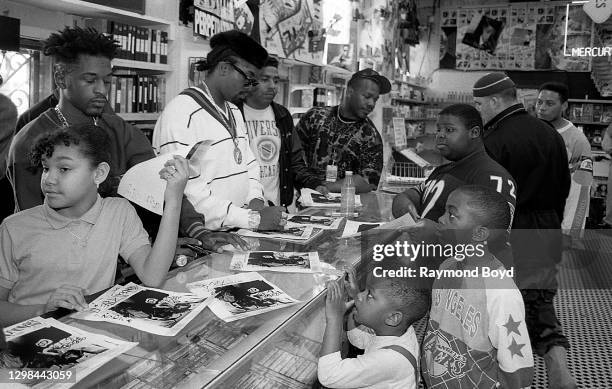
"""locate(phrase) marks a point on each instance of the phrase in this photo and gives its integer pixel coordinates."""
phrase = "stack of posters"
(47, 344)
(289, 262)
(241, 295)
(322, 222)
(156, 311)
(312, 198)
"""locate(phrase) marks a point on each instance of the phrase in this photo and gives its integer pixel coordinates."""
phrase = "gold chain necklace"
(62, 118)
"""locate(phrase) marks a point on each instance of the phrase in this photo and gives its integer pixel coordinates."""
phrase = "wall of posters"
(291, 29)
(526, 36)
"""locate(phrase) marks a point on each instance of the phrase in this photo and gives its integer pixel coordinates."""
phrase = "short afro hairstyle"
(491, 208)
(469, 116)
(65, 46)
(91, 140)
(553, 86)
(410, 296)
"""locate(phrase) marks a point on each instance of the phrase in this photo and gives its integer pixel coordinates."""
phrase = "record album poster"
(241, 295)
(156, 311)
(323, 222)
(48, 344)
(288, 262)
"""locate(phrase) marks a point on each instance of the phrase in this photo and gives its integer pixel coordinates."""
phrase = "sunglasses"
(248, 81)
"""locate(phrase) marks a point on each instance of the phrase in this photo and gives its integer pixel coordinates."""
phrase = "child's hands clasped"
(350, 282)
(67, 296)
(335, 302)
(176, 173)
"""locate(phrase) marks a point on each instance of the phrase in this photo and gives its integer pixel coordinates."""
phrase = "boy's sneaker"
(559, 376)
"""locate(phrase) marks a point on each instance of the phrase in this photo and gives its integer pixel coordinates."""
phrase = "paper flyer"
(354, 228)
(322, 222)
(312, 198)
(288, 262)
(289, 233)
(40, 343)
(142, 185)
(156, 311)
(241, 295)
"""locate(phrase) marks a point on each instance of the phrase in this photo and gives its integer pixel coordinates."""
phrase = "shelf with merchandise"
(138, 116)
(142, 65)
(97, 11)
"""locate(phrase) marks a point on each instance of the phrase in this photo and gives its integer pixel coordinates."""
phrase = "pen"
(199, 250)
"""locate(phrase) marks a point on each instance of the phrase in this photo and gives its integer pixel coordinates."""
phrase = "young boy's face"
(459, 217)
(68, 181)
(372, 305)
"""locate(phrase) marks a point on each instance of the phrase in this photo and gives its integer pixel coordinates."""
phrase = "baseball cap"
(370, 74)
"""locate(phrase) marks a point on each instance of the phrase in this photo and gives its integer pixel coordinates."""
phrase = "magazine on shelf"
(312, 198)
(322, 222)
(288, 233)
(241, 295)
(157, 311)
(289, 262)
(48, 344)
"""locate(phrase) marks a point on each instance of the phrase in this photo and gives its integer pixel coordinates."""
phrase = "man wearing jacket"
(534, 154)
(271, 138)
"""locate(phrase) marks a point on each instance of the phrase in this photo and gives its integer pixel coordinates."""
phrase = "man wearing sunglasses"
(227, 190)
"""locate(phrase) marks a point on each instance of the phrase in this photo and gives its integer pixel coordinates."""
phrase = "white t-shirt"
(265, 142)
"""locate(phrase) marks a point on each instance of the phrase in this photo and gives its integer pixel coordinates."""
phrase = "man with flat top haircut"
(534, 154)
(341, 138)
(227, 190)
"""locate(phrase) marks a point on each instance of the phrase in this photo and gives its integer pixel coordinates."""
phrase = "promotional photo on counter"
(306, 194)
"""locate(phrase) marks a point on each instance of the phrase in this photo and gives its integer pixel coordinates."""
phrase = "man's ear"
(563, 108)
(394, 319)
(59, 75)
(475, 132)
(101, 173)
(480, 234)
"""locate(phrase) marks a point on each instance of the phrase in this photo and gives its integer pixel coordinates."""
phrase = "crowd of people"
(505, 187)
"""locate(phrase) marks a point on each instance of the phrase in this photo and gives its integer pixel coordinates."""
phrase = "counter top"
(187, 360)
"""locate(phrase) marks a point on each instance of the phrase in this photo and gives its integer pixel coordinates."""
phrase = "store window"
(27, 75)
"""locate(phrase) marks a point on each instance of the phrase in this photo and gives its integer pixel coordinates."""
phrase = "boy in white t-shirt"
(381, 324)
(279, 153)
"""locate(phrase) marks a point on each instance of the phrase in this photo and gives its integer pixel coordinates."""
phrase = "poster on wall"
(485, 35)
(292, 29)
(516, 37)
(212, 16)
(374, 39)
(341, 56)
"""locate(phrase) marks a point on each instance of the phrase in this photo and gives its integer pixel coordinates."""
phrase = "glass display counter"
(275, 349)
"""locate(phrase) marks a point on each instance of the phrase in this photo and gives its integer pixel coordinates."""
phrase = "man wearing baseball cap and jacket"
(341, 138)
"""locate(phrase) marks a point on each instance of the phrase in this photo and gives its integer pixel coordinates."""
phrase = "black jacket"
(293, 171)
(534, 154)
